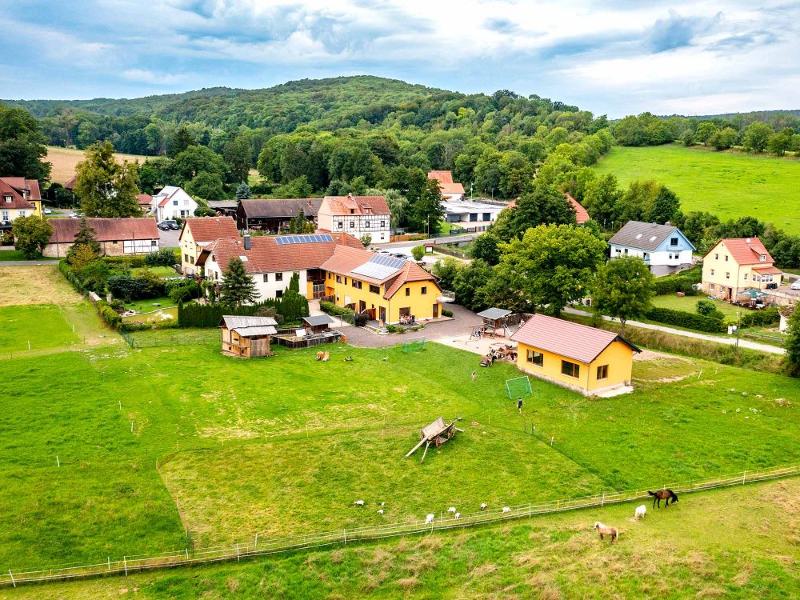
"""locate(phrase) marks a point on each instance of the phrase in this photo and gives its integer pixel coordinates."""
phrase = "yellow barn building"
(589, 360)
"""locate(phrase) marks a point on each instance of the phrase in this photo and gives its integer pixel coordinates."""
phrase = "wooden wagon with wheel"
(436, 434)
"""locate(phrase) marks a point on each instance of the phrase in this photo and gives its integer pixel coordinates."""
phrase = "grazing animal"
(383, 503)
(380, 511)
(484, 506)
(348, 359)
(506, 509)
(605, 530)
(660, 495)
(429, 518)
(640, 512)
(457, 515)
(474, 375)
(452, 509)
(323, 356)
(359, 503)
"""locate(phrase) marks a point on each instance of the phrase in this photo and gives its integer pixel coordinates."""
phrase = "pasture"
(739, 543)
(65, 160)
(727, 184)
(112, 451)
(34, 327)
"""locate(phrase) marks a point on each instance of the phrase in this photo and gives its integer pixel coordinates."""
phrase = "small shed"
(495, 318)
(318, 323)
(247, 337)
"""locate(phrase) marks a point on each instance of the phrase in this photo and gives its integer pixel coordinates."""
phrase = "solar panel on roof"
(303, 239)
(388, 261)
(375, 270)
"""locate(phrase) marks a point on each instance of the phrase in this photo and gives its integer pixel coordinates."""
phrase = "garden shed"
(494, 319)
(318, 323)
(247, 337)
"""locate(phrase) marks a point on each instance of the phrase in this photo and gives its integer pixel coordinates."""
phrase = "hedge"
(686, 319)
(761, 318)
(209, 315)
(336, 311)
(108, 314)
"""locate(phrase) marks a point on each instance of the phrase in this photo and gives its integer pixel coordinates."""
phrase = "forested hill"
(327, 103)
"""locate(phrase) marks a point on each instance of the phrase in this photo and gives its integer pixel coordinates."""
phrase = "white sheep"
(452, 509)
(429, 518)
(506, 509)
(484, 506)
(640, 512)
(380, 511)
(457, 515)
(358, 503)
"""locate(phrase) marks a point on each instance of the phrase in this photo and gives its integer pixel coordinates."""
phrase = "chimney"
(248, 242)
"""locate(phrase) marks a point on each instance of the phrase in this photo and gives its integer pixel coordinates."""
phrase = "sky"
(613, 57)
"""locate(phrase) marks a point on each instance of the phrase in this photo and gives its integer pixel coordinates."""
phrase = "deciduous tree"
(31, 235)
(104, 187)
(623, 288)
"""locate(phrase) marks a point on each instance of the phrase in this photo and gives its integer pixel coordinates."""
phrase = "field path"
(690, 334)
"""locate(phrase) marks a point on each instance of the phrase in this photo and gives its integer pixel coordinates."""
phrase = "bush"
(181, 290)
(671, 285)
(418, 252)
(337, 311)
(146, 285)
(293, 306)
(686, 319)
(163, 258)
(447, 313)
(761, 318)
(360, 319)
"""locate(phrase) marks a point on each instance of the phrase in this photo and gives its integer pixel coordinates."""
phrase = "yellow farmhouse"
(199, 232)
(589, 360)
(388, 289)
(736, 265)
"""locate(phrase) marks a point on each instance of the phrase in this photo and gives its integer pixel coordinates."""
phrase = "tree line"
(776, 133)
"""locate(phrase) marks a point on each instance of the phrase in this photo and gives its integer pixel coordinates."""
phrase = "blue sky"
(614, 57)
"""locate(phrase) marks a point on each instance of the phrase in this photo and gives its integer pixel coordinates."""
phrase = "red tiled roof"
(581, 216)
(20, 184)
(144, 199)
(565, 338)
(747, 251)
(770, 270)
(446, 183)
(106, 230)
(441, 176)
(355, 205)
(208, 229)
(411, 272)
(267, 256)
(70, 183)
(17, 201)
(345, 260)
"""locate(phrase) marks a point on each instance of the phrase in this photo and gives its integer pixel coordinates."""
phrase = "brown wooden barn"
(247, 337)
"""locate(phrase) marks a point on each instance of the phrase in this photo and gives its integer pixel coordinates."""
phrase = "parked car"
(47, 211)
(795, 285)
(75, 215)
(167, 225)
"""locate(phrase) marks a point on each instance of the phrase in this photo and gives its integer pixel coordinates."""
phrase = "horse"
(605, 530)
(663, 495)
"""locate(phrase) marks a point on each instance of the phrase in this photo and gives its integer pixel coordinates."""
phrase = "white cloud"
(152, 77)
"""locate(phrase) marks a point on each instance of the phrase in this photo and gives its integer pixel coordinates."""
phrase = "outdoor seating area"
(303, 338)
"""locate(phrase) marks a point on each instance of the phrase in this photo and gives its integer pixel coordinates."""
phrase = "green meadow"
(727, 184)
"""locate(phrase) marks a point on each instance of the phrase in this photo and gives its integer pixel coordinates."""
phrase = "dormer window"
(352, 211)
(673, 241)
(7, 199)
(763, 258)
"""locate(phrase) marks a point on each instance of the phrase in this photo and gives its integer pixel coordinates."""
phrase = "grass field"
(729, 185)
(739, 543)
(64, 161)
(285, 445)
(46, 321)
(689, 304)
(9, 255)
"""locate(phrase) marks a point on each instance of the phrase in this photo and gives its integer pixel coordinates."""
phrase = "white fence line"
(263, 546)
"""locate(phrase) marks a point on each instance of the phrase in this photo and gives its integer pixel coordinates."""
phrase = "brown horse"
(660, 495)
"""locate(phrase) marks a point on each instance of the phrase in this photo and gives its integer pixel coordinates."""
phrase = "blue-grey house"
(664, 248)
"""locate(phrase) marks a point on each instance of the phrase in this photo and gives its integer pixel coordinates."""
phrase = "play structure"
(518, 387)
(437, 433)
(499, 351)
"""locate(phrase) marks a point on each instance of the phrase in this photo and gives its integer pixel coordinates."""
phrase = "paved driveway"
(459, 327)
(168, 239)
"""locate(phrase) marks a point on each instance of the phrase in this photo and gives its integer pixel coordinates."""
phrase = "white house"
(356, 215)
(172, 202)
(664, 248)
(272, 260)
(470, 215)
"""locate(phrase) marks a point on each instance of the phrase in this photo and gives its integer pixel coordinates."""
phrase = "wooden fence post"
(125, 561)
(14, 583)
